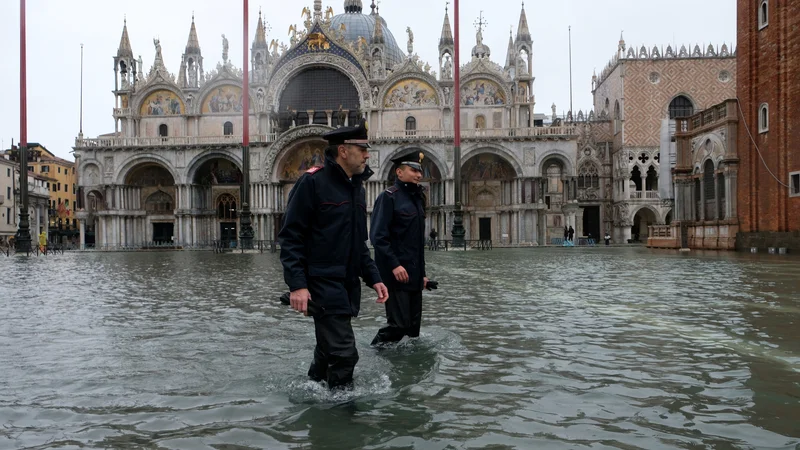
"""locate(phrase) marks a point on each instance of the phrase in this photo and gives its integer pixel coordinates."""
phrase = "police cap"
(413, 160)
(349, 135)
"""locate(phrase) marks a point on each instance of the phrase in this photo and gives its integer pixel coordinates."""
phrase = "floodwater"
(521, 348)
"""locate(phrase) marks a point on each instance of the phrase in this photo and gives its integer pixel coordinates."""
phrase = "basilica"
(171, 172)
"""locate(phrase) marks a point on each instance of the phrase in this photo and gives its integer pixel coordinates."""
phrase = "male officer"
(324, 251)
(398, 236)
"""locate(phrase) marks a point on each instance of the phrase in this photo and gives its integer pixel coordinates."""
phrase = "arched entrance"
(487, 195)
(555, 190)
(94, 203)
(643, 218)
(154, 192)
(216, 178)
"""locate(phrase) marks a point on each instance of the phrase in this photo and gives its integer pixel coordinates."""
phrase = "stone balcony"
(647, 195)
(564, 132)
(170, 141)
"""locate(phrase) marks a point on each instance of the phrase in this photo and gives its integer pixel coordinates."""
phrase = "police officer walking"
(398, 236)
(324, 251)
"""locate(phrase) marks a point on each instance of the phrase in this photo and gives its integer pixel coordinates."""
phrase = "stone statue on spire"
(410, 46)
(224, 49)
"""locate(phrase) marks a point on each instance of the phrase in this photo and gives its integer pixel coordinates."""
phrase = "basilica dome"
(362, 25)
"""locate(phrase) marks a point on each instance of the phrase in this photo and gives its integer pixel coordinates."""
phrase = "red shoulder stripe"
(314, 169)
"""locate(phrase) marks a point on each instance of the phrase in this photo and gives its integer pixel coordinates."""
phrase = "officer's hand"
(400, 274)
(424, 282)
(299, 300)
(383, 293)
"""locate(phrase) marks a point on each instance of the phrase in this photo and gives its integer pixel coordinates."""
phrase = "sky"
(57, 28)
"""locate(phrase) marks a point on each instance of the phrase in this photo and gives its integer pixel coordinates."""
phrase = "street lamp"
(458, 214)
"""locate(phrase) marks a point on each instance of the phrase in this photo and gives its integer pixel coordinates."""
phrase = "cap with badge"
(412, 160)
(349, 135)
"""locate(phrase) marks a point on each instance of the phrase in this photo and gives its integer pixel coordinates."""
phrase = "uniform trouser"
(335, 355)
(403, 314)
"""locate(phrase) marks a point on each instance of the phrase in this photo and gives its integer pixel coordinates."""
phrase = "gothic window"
(163, 131)
(709, 190)
(227, 129)
(158, 202)
(651, 182)
(588, 176)
(636, 177)
(411, 126)
(617, 118)
(763, 118)
(721, 195)
(763, 16)
(226, 207)
(697, 196)
(680, 106)
(317, 89)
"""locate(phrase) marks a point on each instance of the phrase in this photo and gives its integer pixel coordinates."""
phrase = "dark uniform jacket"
(324, 238)
(398, 235)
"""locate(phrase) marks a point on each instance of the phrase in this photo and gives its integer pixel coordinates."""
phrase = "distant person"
(566, 233)
(607, 237)
(591, 239)
(433, 235)
(571, 233)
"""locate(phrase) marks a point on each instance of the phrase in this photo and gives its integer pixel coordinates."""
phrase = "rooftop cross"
(481, 22)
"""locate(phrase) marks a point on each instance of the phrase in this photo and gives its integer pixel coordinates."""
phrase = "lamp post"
(246, 233)
(458, 214)
(22, 239)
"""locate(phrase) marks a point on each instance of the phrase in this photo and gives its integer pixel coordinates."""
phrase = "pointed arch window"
(588, 176)
(763, 14)
(709, 191)
(226, 207)
(680, 106)
(227, 129)
(411, 126)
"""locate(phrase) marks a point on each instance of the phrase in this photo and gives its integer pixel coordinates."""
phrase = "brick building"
(768, 70)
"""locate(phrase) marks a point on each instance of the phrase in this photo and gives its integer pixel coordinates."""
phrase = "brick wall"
(768, 70)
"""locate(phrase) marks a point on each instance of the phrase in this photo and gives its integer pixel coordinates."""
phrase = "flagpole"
(22, 240)
(458, 231)
(246, 232)
(80, 131)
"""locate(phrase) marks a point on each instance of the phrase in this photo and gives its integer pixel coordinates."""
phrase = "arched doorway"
(215, 178)
(95, 202)
(641, 220)
(487, 193)
(156, 191)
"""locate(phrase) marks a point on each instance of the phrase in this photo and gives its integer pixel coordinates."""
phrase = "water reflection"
(527, 348)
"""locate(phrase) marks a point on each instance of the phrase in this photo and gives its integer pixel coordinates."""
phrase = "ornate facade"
(171, 171)
(640, 94)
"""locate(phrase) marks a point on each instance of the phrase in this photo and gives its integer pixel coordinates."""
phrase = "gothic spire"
(511, 54)
(124, 42)
(261, 34)
(523, 34)
(447, 33)
(193, 44)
